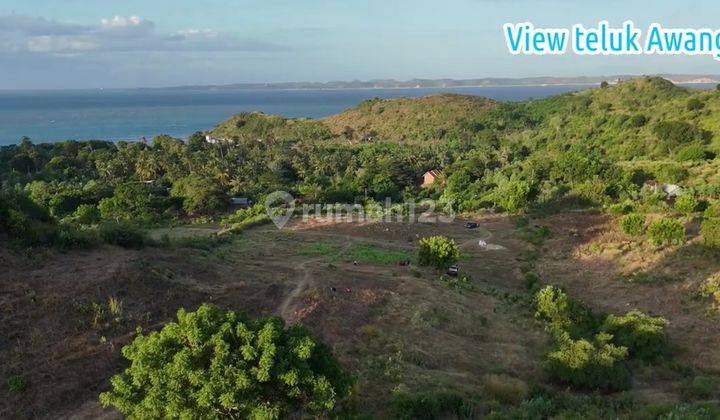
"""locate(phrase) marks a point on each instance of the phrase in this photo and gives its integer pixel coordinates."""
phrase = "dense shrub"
(643, 335)
(691, 152)
(512, 195)
(666, 231)
(701, 388)
(531, 281)
(552, 305)
(245, 214)
(23, 220)
(669, 172)
(133, 201)
(86, 214)
(16, 383)
(695, 104)
(633, 224)
(438, 251)
(686, 203)
(564, 315)
(713, 210)
(592, 365)
(122, 234)
(69, 237)
(638, 120)
(431, 406)
(710, 232)
(199, 195)
(674, 133)
(219, 364)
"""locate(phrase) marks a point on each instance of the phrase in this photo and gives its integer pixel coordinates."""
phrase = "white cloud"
(131, 26)
(60, 44)
(115, 34)
(121, 22)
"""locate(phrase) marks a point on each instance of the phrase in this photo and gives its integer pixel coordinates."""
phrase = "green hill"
(407, 119)
(259, 126)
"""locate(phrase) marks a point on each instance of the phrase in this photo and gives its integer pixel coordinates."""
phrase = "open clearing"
(396, 328)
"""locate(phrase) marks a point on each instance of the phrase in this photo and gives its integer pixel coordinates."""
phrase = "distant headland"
(451, 83)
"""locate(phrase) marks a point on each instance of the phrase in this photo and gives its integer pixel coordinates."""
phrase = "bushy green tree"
(564, 315)
(675, 133)
(199, 195)
(22, 219)
(122, 233)
(86, 214)
(643, 335)
(512, 195)
(633, 224)
(710, 232)
(438, 251)
(219, 364)
(595, 364)
(552, 305)
(686, 203)
(666, 231)
(133, 201)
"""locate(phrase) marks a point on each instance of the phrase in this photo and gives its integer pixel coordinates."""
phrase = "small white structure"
(210, 139)
(672, 190)
(482, 243)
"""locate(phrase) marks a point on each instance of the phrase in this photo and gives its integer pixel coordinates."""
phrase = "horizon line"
(402, 84)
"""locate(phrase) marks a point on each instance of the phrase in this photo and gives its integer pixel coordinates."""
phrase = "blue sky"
(132, 43)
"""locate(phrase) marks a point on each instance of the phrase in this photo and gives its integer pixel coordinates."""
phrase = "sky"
(52, 44)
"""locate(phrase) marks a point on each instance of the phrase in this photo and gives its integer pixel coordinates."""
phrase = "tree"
(686, 203)
(512, 195)
(643, 335)
(199, 195)
(666, 231)
(633, 224)
(438, 251)
(133, 200)
(597, 364)
(196, 142)
(219, 364)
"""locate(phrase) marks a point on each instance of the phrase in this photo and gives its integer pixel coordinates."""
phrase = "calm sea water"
(133, 114)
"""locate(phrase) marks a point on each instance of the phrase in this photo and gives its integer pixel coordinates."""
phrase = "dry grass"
(395, 328)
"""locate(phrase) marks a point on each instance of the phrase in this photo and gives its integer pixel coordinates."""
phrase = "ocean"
(50, 116)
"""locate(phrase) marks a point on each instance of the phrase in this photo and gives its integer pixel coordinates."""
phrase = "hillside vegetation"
(590, 288)
(592, 148)
(430, 118)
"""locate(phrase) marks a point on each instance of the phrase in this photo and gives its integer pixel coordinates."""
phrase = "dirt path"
(289, 306)
(286, 310)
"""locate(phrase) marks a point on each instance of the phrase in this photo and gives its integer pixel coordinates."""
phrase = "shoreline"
(185, 132)
(699, 80)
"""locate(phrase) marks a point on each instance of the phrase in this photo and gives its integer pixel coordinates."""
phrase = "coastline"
(678, 79)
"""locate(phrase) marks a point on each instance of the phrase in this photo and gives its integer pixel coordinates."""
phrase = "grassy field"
(399, 330)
